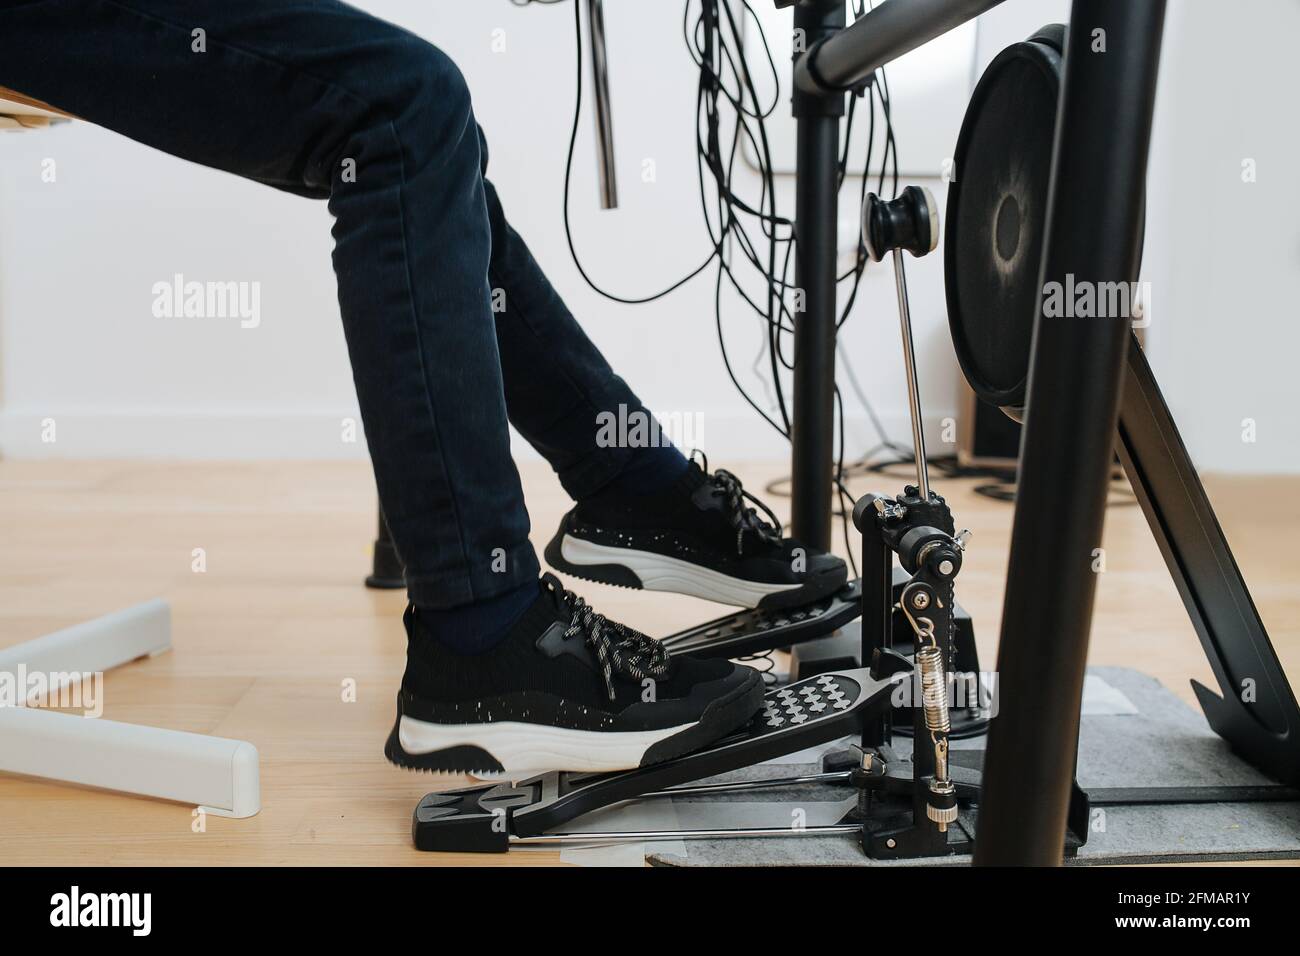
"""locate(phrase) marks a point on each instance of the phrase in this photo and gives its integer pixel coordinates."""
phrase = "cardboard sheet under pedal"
(1135, 734)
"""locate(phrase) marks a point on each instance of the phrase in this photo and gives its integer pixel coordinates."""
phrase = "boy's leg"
(557, 382)
(644, 518)
(323, 100)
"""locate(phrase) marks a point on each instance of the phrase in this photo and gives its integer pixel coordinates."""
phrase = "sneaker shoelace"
(618, 648)
(742, 517)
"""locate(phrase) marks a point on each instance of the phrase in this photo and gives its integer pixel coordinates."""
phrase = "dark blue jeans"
(323, 100)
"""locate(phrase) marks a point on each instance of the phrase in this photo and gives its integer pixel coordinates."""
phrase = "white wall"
(79, 257)
(1223, 254)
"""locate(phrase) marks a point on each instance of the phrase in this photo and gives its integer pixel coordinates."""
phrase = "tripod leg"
(386, 573)
(1066, 457)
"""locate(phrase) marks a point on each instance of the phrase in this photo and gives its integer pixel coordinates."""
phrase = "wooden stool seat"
(19, 112)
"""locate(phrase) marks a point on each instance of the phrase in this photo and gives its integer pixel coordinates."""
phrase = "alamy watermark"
(976, 690)
(133, 911)
(636, 428)
(179, 299)
(1082, 299)
(69, 690)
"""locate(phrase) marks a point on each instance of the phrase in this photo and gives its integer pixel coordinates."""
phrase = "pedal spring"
(934, 690)
(942, 805)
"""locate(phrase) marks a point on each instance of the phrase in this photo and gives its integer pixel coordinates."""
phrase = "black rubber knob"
(910, 222)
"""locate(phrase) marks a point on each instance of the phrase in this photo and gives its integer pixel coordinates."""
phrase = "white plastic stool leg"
(217, 774)
(214, 773)
(142, 630)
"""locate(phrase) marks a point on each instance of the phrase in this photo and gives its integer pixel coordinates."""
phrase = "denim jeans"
(320, 99)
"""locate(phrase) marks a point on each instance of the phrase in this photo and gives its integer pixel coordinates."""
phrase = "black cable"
(715, 45)
(764, 664)
(751, 241)
(726, 79)
(568, 177)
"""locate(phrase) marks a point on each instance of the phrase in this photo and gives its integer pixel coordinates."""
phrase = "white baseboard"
(153, 434)
(150, 434)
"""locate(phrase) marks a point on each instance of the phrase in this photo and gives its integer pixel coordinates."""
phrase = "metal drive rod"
(879, 36)
(913, 388)
(816, 236)
(1094, 232)
(649, 836)
(604, 114)
(836, 776)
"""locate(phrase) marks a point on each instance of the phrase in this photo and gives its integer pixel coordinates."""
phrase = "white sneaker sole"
(659, 572)
(524, 749)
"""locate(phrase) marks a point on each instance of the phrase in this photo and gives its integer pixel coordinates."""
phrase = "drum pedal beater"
(907, 223)
(909, 807)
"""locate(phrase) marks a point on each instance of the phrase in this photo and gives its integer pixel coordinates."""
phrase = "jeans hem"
(585, 478)
(470, 585)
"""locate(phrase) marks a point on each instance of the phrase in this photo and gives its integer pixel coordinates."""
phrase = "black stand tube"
(386, 570)
(816, 227)
(1093, 234)
(877, 606)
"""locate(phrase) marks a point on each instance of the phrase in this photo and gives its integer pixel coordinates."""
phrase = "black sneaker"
(698, 537)
(567, 689)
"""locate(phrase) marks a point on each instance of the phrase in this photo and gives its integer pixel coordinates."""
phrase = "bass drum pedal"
(491, 818)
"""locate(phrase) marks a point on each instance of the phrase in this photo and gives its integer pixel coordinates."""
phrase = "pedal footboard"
(484, 819)
(757, 631)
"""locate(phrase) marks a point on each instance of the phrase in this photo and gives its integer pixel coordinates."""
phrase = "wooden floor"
(266, 638)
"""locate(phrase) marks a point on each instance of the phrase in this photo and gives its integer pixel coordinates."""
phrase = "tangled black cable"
(751, 241)
(729, 117)
(714, 39)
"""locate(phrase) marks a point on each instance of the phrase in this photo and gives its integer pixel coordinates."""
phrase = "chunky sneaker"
(566, 689)
(698, 536)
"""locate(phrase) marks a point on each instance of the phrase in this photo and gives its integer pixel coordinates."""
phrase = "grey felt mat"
(1135, 733)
